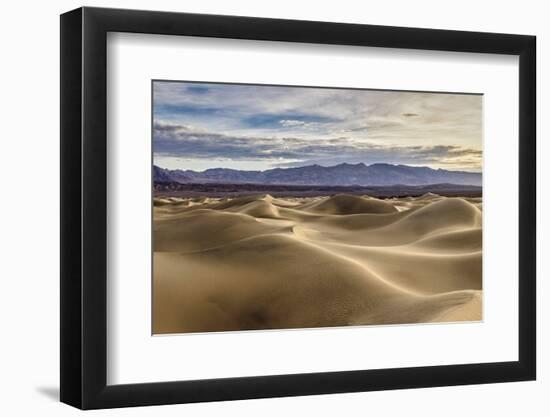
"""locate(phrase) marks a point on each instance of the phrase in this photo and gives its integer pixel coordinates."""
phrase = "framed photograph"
(258, 208)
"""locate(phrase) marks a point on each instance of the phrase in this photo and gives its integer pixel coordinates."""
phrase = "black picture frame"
(84, 207)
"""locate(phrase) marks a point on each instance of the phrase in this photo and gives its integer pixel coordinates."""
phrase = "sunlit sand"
(260, 262)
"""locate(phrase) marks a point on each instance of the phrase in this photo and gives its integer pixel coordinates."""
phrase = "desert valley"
(296, 207)
(264, 262)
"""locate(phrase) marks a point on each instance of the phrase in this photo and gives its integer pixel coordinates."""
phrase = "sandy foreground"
(259, 262)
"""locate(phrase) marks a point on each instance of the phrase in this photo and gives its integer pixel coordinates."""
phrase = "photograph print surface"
(284, 207)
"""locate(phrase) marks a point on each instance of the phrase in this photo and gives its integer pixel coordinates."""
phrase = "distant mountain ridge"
(379, 174)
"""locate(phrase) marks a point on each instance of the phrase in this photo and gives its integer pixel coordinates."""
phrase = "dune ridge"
(259, 262)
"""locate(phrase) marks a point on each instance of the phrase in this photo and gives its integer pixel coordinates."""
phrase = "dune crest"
(350, 204)
(259, 262)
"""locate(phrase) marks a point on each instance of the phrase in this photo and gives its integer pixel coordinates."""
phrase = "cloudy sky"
(202, 125)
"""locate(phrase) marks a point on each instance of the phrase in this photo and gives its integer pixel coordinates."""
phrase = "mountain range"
(379, 174)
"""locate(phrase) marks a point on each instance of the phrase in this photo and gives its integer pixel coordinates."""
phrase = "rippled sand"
(260, 262)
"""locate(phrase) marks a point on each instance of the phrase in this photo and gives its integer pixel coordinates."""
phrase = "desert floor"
(259, 262)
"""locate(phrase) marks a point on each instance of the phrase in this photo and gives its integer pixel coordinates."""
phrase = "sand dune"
(259, 262)
(349, 204)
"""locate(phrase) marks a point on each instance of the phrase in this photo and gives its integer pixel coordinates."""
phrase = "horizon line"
(323, 166)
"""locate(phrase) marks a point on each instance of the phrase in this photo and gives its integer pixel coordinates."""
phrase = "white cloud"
(330, 124)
